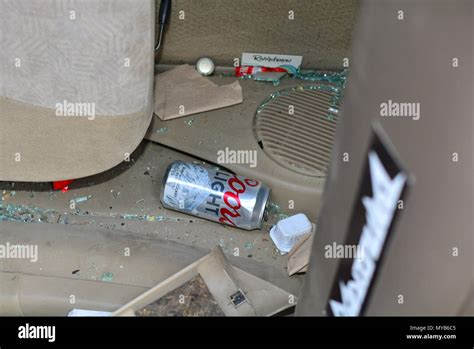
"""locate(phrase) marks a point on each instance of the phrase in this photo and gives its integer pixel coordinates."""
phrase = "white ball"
(205, 66)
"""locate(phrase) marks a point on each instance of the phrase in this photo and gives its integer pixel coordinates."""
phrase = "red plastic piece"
(250, 70)
(63, 185)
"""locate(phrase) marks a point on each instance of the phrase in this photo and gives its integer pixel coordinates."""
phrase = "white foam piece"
(286, 231)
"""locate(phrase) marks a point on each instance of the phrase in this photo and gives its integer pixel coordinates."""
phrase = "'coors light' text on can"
(215, 195)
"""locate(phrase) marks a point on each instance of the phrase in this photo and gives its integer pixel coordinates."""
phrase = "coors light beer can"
(215, 195)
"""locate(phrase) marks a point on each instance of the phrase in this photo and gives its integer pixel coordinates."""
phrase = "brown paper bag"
(183, 91)
(298, 257)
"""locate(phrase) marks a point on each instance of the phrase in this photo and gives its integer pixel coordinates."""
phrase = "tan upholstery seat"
(423, 55)
(76, 85)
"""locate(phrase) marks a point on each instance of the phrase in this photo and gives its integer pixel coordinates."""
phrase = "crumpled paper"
(183, 91)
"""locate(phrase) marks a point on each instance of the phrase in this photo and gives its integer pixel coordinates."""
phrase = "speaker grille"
(296, 127)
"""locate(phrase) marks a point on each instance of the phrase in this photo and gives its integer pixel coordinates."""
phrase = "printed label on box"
(270, 60)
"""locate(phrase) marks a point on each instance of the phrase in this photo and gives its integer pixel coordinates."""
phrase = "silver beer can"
(215, 195)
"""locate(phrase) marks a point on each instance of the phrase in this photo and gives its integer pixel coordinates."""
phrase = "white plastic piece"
(205, 66)
(286, 231)
(86, 312)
